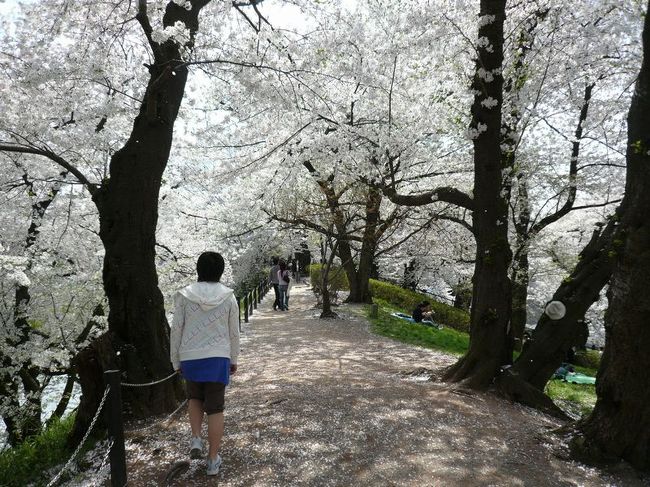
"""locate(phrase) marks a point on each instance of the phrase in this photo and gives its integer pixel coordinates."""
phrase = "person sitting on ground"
(204, 345)
(422, 312)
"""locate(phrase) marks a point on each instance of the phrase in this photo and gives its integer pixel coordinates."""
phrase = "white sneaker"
(196, 448)
(213, 465)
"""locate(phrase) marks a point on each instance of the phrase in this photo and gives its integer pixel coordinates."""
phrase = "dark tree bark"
(619, 426)
(371, 233)
(410, 280)
(543, 354)
(325, 272)
(489, 347)
(128, 214)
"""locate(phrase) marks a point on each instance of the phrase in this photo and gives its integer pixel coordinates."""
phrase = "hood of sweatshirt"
(207, 294)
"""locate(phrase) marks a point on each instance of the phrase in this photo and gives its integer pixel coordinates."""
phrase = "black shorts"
(211, 393)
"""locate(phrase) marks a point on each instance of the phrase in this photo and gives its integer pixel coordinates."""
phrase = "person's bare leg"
(195, 411)
(215, 433)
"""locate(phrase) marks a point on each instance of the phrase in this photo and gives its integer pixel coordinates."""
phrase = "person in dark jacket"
(422, 312)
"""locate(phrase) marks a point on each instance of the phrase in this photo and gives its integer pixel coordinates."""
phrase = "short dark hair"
(210, 266)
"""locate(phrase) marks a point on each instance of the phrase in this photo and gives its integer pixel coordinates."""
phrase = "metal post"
(117, 455)
(246, 308)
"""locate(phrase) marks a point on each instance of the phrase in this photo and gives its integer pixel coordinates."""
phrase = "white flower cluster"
(473, 133)
(486, 20)
(19, 278)
(489, 102)
(485, 74)
(177, 32)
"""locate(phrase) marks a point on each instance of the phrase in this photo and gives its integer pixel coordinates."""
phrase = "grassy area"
(447, 339)
(28, 462)
(406, 300)
(576, 398)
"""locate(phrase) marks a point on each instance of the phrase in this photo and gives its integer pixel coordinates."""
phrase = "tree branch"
(23, 149)
(446, 194)
(573, 168)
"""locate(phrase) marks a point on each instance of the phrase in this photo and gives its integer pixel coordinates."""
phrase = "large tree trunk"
(128, 214)
(368, 246)
(620, 423)
(525, 380)
(489, 347)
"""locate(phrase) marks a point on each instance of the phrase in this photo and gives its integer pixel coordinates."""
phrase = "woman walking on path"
(283, 280)
(204, 346)
(273, 279)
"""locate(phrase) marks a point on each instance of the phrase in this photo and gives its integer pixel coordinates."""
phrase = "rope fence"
(156, 423)
(147, 384)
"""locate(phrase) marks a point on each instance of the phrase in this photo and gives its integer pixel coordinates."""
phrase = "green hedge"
(337, 279)
(407, 300)
(587, 358)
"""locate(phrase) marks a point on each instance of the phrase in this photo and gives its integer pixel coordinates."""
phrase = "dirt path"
(323, 403)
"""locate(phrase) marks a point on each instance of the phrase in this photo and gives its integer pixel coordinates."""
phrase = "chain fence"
(112, 443)
(81, 444)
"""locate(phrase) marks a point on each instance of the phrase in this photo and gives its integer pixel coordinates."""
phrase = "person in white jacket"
(204, 347)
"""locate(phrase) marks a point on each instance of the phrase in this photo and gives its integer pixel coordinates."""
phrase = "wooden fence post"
(374, 310)
(116, 428)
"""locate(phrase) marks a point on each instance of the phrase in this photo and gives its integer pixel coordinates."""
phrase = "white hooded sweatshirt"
(205, 324)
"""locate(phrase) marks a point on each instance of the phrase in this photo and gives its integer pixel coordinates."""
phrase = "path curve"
(323, 403)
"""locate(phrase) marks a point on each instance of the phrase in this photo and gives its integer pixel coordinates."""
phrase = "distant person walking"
(204, 347)
(284, 280)
(273, 279)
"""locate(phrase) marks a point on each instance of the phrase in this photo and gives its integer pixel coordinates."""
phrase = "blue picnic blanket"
(410, 319)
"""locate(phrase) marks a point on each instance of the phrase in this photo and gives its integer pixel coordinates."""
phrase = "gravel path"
(326, 403)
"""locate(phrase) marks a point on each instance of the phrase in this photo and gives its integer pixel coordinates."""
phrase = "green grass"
(578, 399)
(447, 339)
(406, 300)
(28, 462)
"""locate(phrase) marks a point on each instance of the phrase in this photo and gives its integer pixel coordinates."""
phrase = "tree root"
(509, 385)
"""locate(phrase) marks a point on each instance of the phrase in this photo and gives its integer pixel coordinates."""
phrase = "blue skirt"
(212, 369)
